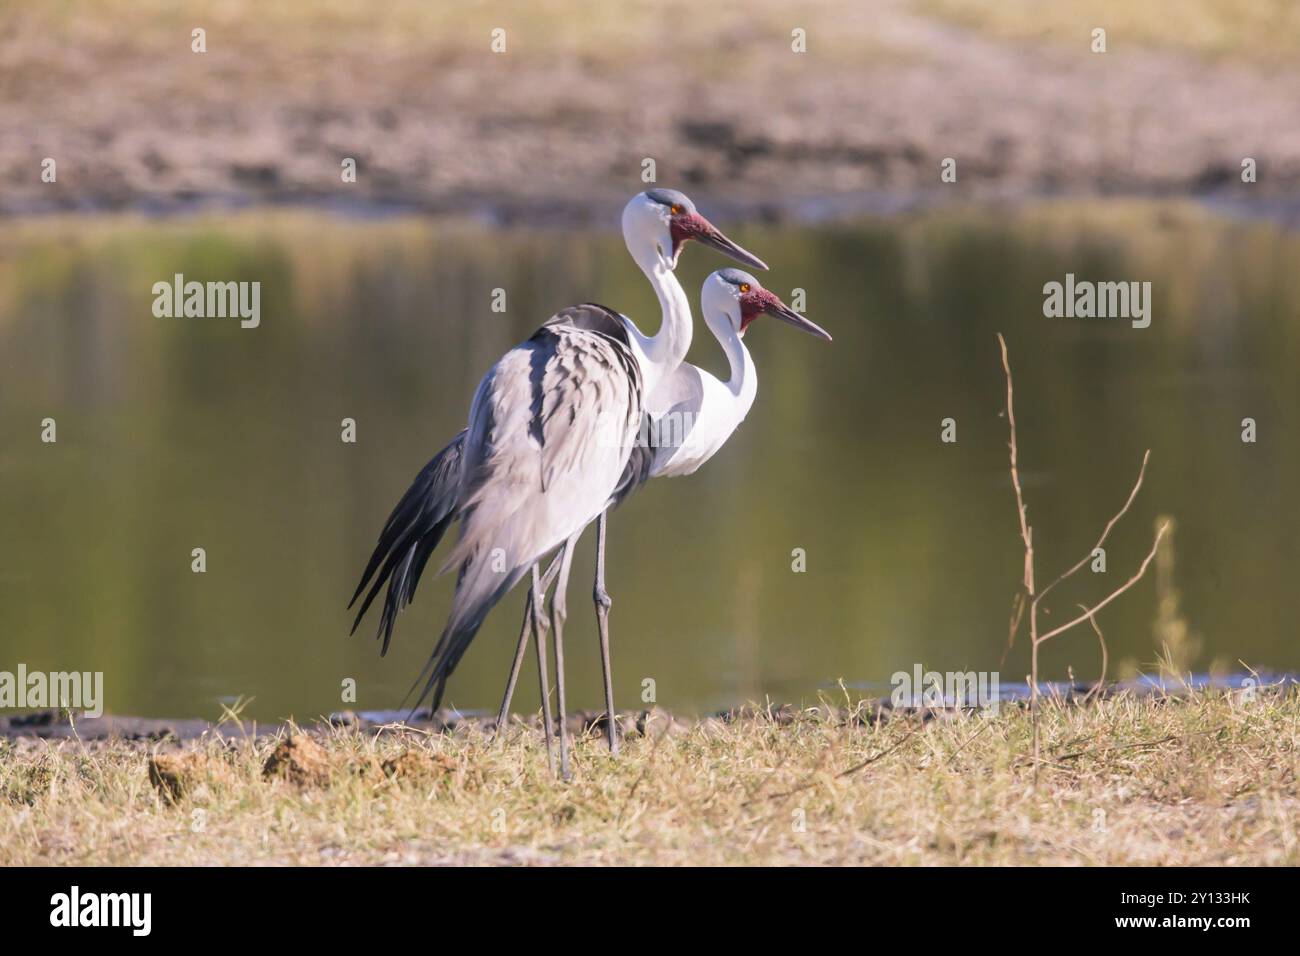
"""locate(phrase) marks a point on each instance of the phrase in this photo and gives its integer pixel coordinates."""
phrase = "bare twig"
(1137, 576)
(1106, 532)
(808, 783)
(1026, 532)
(880, 756)
(1017, 612)
(1026, 536)
(962, 746)
(843, 773)
(1110, 747)
(1032, 598)
(1105, 655)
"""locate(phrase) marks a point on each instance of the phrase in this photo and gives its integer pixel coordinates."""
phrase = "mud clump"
(176, 775)
(299, 760)
(418, 767)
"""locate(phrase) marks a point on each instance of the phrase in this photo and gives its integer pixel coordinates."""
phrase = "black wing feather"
(637, 472)
(410, 535)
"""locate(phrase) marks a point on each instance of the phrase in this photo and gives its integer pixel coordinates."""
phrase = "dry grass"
(1209, 779)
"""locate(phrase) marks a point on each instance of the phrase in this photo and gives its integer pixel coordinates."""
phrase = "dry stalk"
(1031, 598)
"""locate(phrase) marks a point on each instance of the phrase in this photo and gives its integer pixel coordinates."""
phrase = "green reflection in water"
(175, 434)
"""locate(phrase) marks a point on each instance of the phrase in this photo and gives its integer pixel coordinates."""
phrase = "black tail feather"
(453, 643)
(410, 535)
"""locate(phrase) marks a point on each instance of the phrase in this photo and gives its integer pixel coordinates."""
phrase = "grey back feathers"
(549, 438)
(593, 318)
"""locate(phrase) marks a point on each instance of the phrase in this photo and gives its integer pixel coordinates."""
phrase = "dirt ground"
(1207, 778)
(560, 123)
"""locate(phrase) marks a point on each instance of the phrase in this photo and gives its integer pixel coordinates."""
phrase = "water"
(175, 434)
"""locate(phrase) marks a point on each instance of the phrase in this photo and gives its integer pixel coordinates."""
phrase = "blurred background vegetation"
(560, 123)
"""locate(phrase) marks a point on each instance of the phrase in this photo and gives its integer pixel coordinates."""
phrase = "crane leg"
(559, 611)
(539, 636)
(603, 603)
(504, 714)
(525, 628)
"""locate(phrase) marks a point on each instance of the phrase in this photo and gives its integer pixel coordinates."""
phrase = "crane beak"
(779, 310)
(717, 240)
(695, 226)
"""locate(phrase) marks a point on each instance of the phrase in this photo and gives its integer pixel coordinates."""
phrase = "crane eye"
(677, 209)
(744, 287)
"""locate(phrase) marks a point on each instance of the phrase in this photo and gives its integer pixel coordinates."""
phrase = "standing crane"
(698, 413)
(536, 464)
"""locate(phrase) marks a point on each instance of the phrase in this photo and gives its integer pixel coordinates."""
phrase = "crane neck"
(742, 384)
(744, 376)
(666, 349)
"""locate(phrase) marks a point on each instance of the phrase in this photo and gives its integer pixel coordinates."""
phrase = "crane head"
(665, 220)
(740, 297)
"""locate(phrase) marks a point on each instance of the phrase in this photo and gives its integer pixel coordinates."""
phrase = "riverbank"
(1207, 778)
(558, 126)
